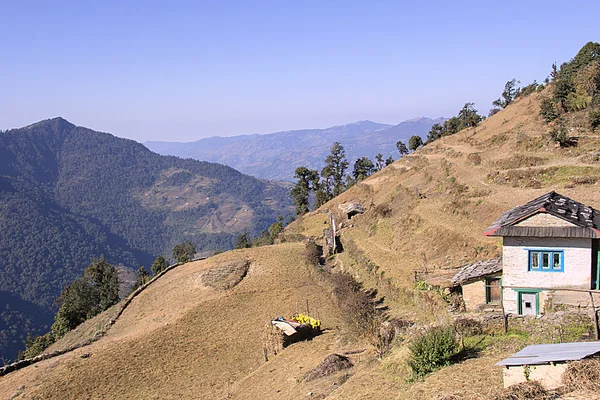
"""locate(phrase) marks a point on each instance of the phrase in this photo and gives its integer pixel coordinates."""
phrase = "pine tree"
(158, 265)
(335, 169)
(402, 149)
(184, 252)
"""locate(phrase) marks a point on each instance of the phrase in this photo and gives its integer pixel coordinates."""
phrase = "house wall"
(474, 295)
(577, 267)
(550, 376)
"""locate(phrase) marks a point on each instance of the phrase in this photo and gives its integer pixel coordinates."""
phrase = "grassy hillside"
(427, 211)
(69, 194)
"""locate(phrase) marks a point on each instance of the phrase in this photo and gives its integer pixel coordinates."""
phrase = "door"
(493, 290)
(528, 303)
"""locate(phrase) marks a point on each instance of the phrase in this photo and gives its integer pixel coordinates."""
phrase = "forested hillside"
(276, 155)
(68, 194)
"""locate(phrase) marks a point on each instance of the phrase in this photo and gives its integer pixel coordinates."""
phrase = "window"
(492, 290)
(546, 260)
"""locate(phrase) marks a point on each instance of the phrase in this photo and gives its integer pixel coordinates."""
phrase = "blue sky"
(186, 70)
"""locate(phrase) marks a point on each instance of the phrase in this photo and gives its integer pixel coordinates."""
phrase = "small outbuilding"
(545, 363)
(481, 284)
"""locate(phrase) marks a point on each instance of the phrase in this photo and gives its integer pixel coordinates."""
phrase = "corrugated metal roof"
(554, 204)
(478, 270)
(547, 353)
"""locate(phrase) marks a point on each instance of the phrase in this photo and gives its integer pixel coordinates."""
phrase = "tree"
(184, 252)
(158, 265)
(308, 180)
(511, 90)
(468, 116)
(548, 110)
(415, 142)
(379, 163)
(436, 132)
(363, 168)
(276, 228)
(86, 297)
(104, 280)
(335, 169)
(142, 277)
(389, 161)
(554, 72)
(77, 303)
(401, 148)
(243, 241)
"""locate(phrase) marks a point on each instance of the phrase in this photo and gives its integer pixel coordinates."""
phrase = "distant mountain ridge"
(276, 155)
(69, 194)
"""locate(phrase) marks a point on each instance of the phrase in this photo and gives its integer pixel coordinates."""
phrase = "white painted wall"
(550, 376)
(577, 266)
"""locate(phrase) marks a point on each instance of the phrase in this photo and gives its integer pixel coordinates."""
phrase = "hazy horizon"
(186, 71)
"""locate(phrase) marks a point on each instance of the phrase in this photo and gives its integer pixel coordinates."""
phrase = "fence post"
(596, 331)
(504, 316)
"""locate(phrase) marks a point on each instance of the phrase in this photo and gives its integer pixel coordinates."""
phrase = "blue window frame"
(543, 260)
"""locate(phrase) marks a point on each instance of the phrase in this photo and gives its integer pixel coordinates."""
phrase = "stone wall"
(545, 220)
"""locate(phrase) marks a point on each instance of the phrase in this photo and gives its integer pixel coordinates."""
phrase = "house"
(480, 284)
(550, 243)
(545, 363)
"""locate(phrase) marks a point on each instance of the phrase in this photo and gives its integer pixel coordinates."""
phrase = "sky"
(181, 71)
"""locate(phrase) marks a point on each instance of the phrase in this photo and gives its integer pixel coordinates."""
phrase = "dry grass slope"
(184, 339)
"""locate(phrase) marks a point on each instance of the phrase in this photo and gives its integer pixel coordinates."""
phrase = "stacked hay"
(330, 365)
(531, 390)
(225, 275)
(583, 375)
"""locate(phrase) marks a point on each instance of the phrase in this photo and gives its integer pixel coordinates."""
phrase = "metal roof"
(578, 214)
(478, 270)
(547, 353)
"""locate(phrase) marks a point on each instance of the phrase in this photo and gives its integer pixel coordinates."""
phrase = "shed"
(480, 283)
(545, 362)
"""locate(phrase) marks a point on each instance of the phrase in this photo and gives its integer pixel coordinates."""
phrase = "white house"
(549, 243)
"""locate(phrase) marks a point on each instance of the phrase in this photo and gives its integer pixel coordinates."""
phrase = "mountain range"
(275, 156)
(69, 194)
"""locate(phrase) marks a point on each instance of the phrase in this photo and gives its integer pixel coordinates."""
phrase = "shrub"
(358, 305)
(560, 135)
(313, 253)
(548, 110)
(35, 345)
(432, 350)
(474, 159)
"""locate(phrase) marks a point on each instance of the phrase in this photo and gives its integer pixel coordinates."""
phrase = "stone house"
(545, 363)
(550, 243)
(481, 283)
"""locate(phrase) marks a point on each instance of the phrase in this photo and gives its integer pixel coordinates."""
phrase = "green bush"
(432, 350)
(560, 135)
(35, 345)
(548, 110)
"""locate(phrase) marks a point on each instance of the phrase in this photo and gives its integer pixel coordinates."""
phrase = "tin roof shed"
(548, 353)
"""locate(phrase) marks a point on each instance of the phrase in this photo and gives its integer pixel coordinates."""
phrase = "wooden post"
(307, 310)
(596, 331)
(504, 316)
